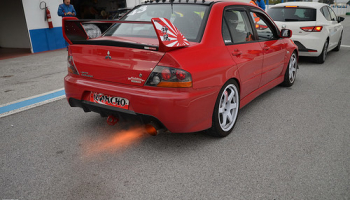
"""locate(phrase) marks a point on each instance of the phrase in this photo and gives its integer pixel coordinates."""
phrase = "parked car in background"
(316, 28)
(182, 67)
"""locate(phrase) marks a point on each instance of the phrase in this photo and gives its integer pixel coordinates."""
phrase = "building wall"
(13, 31)
(133, 3)
(43, 38)
(23, 24)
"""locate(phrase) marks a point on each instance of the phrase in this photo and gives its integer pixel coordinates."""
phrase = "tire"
(226, 110)
(339, 43)
(322, 57)
(291, 71)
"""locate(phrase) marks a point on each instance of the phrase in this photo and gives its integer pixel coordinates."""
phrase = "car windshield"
(285, 14)
(187, 18)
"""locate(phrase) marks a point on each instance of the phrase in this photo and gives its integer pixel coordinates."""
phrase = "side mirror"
(340, 19)
(286, 33)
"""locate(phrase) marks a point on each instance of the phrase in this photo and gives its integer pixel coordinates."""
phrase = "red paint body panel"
(249, 64)
(274, 56)
(125, 63)
(178, 109)
(210, 63)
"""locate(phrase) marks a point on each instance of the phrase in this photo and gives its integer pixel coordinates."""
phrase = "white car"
(316, 28)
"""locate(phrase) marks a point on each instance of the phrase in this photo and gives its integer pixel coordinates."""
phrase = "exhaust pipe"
(152, 128)
(111, 120)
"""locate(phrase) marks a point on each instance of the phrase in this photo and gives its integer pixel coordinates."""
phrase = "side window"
(300, 13)
(333, 15)
(226, 33)
(325, 12)
(236, 27)
(264, 27)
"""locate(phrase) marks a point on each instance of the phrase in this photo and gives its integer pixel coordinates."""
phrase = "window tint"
(333, 15)
(187, 18)
(226, 33)
(263, 28)
(292, 14)
(325, 12)
(236, 27)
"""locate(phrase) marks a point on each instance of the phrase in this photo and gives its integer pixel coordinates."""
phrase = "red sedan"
(180, 66)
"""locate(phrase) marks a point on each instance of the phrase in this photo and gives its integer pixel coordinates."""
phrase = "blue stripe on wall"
(47, 39)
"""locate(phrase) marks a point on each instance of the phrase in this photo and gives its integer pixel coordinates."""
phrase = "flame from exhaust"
(119, 140)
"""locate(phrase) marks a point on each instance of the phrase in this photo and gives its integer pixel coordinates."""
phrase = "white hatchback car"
(316, 28)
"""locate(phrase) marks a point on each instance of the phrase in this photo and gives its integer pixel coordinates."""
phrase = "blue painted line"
(32, 101)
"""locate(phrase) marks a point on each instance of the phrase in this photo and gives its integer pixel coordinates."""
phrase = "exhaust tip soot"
(151, 129)
(111, 120)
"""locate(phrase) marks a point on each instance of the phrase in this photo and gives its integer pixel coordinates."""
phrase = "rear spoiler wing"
(168, 35)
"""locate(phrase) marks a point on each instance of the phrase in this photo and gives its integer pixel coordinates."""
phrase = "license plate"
(109, 100)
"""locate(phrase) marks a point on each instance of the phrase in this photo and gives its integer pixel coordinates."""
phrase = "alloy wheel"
(293, 64)
(228, 107)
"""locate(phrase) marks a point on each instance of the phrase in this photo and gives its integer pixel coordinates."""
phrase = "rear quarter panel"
(209, 62)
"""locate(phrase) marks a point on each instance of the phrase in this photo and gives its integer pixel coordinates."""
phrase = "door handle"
(236, 52)
(266, 48)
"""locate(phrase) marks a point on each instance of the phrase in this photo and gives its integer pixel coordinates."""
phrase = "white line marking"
(345, 46)
(32, 105)
(39, 95)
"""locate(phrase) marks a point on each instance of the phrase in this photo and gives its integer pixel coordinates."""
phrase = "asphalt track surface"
(289, 143)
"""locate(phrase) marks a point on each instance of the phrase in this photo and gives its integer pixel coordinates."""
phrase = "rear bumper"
(309, 45)
(121, 114)
(178, 110)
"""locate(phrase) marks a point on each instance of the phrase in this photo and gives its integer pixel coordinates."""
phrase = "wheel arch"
(237, 81)
(297, 53)
(327, 40)
(217, 130)
(230, 79)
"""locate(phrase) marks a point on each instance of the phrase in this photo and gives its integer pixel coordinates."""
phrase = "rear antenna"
(172, 10)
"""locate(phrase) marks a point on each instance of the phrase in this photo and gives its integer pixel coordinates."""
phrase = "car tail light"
(169, 77)
(312, 28)
(166, 75)
(260, 27)
(70, 63)
(181, 75)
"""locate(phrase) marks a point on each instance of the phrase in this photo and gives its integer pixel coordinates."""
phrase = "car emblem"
(284, 26)
(136, 80)
(140, 75)
(108, 56)
(86, 74)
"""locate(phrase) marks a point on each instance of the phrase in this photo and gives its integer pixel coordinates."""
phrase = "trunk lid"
(121, 57)
(115, 64)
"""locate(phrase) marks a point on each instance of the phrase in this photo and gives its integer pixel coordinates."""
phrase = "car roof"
(302, 4)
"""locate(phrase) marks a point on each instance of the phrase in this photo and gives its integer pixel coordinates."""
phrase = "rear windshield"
(285, 14)
(187, 18)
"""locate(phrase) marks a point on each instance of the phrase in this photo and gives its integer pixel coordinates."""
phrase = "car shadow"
(96, 130)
